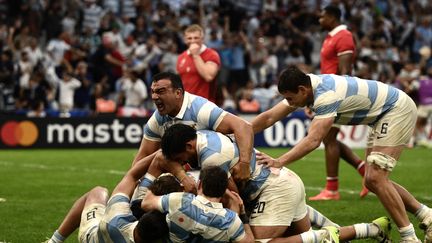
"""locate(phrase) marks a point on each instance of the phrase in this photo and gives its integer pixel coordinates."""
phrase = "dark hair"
(334, 11)
(175, 138)
(152, 226)
(291, 78)
(164, 185)
(214, 181)
(175, 79)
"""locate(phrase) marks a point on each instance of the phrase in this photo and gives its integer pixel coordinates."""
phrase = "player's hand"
(241, 172)
(233, 201)
(189, 184)
(194, 49)
(266, 160)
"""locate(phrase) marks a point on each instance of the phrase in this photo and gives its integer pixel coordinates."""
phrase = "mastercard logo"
(24, 133)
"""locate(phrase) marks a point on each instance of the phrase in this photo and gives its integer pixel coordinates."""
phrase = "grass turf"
(39, 186)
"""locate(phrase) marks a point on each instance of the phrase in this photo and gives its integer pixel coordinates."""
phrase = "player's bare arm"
(244, 136)
(271, 116)
(207, 70)
(146, 148)
(345, 64)
(317, 131)
(150, 202)
(130, 180)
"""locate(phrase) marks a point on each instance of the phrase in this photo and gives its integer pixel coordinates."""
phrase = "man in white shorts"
(345, 100)
(278, 193)
(100, 219)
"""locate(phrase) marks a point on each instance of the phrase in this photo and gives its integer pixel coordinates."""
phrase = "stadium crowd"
(85, 55)
(88, 57)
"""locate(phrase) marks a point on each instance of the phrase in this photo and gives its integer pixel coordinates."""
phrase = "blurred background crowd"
(80, 57)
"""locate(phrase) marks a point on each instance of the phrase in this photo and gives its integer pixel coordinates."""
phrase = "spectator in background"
(337, 56)
(198, 65)
(408, 80)
(258, 55)
(246, 103)
(57, 47)
(37, 109)
(25, 69)
(92, 15)
(36, 53)
(67, 86)
(424, 109)
(132, 89)
(83, 93)
(168, 62)
(108, 62)
(7, 101)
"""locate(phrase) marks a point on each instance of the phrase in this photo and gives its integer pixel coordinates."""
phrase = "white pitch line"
(118, 172)
(44, 167)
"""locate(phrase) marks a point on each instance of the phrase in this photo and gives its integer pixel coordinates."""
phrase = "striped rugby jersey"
(118, 223)
(216, 149)
(196, 111)
(195, 219)
(352, 100)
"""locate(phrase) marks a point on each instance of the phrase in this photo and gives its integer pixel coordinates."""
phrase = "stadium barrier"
(122, 132)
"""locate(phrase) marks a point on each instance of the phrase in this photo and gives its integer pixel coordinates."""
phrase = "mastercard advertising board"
(16, 133)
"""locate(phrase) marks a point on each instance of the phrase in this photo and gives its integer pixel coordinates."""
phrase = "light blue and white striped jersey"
(196, 111)
(195, 219)
(352, 100)
(216, 149)
(118, 223)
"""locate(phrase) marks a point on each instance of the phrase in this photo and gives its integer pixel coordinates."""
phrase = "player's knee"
(98, 194)
(383, 161)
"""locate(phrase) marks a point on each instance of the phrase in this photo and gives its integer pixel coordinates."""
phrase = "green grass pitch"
(37, 187)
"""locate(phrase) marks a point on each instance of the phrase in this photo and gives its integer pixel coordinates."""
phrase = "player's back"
(216, 149)
(352, 100)
(194, 218)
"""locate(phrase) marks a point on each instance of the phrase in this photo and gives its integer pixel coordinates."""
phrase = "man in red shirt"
(198, 65)
(337, 56)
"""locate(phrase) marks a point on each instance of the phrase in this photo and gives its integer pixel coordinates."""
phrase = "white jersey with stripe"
(195, 219)
(118, 223)
(196, 111)
(216, 149)
(351, 100)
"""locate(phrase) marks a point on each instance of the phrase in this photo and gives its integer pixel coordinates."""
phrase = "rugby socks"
(364, 230)
(423, 213)
(56, 238)
(361, 168)
(313, 236)
(408, 233)
(318, 220)
(332, 183)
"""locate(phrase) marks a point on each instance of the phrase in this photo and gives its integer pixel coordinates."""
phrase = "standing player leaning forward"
(345, 100)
